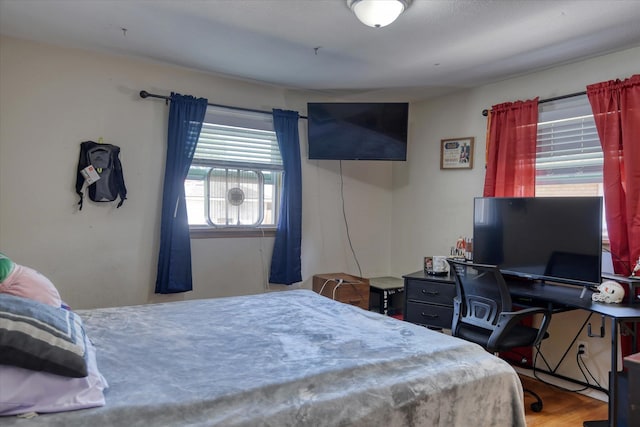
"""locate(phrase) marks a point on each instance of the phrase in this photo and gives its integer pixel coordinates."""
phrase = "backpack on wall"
(99, 165)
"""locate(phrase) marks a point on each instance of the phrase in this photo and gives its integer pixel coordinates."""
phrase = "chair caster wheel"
(536, 406)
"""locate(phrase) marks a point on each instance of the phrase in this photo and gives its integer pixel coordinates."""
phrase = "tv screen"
(358, 130)
(550, 238)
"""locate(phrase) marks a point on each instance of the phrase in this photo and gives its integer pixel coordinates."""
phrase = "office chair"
(483, 313)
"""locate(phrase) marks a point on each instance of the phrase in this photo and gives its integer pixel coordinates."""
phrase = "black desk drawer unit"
(435, 316)
(429, 300)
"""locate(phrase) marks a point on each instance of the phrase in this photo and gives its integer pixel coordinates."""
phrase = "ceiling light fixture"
(378, 13)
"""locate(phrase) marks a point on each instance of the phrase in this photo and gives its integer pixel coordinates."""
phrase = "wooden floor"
(561, 408)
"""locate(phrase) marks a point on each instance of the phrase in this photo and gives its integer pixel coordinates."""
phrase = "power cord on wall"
(578, 360)
(346, 223)
(537, 377)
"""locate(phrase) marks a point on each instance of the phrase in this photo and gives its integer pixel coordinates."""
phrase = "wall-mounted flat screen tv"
(358, 130)
(548, 238)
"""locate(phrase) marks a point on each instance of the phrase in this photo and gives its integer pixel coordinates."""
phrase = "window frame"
(210, 230)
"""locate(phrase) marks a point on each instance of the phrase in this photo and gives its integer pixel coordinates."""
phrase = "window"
(235, 178)
(569, 155)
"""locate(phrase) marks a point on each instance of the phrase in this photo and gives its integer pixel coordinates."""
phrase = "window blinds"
(238, 139)
(568, 148)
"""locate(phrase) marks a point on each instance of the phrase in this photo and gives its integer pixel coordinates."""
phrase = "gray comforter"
(290, 358)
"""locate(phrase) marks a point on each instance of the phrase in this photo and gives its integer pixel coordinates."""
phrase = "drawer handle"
(434, 293)
(432, 316)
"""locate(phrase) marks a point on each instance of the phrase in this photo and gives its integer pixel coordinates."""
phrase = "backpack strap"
(119, 176)
(83, 162)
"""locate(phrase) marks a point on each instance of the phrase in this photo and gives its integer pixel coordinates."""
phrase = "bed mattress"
(290, 358)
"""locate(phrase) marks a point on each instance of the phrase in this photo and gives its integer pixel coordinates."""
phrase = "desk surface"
(528, 291)
(569, 297)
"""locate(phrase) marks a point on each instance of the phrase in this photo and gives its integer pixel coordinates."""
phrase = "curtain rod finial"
(484, 112)
(144, 94)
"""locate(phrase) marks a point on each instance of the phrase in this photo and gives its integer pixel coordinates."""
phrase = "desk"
(563, 298)
(566, 297)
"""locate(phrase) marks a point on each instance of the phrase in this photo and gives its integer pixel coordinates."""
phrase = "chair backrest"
(482, 294)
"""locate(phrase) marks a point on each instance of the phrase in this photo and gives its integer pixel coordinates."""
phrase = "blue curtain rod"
(542, 101)
(145, 94)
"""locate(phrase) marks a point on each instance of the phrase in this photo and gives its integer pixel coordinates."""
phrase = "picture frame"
(457, 153)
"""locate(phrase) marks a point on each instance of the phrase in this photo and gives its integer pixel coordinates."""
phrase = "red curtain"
(511, 149)
(616, 110)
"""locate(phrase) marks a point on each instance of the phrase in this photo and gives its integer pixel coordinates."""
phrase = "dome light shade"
(378, 13)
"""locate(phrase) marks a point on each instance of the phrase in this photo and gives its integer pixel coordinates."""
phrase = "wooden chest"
(343, 287)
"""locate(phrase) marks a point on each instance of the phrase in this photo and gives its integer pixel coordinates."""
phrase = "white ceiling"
(435, 47)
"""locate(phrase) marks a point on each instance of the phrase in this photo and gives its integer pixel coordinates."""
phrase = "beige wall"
(52, 99)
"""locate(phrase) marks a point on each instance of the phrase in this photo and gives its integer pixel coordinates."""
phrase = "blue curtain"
(285, 261)
(186, 115)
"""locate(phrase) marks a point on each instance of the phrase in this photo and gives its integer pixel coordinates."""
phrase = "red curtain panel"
(511, 149)
(616, 110)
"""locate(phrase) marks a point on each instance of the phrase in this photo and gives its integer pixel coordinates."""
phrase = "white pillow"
(23, 390)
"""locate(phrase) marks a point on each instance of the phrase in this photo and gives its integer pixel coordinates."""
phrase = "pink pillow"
(26, 282)
(23, 390)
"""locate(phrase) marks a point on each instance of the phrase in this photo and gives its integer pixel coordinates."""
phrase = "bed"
(290, 358)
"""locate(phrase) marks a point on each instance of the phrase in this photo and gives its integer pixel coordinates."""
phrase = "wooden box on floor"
(353, 290)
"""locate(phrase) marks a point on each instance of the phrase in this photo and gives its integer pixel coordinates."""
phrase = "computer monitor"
(547, 238)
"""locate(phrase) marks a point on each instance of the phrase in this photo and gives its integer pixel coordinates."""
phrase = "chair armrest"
(526, 312)
(509, 319)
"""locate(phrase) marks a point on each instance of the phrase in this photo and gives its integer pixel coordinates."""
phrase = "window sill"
(212, 233)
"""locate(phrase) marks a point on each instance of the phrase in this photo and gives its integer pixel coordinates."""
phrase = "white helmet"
(609, 291)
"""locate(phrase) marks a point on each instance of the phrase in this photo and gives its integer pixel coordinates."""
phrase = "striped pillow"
(40, 337)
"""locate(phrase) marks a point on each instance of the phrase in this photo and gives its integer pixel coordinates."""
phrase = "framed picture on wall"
(456, 153)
